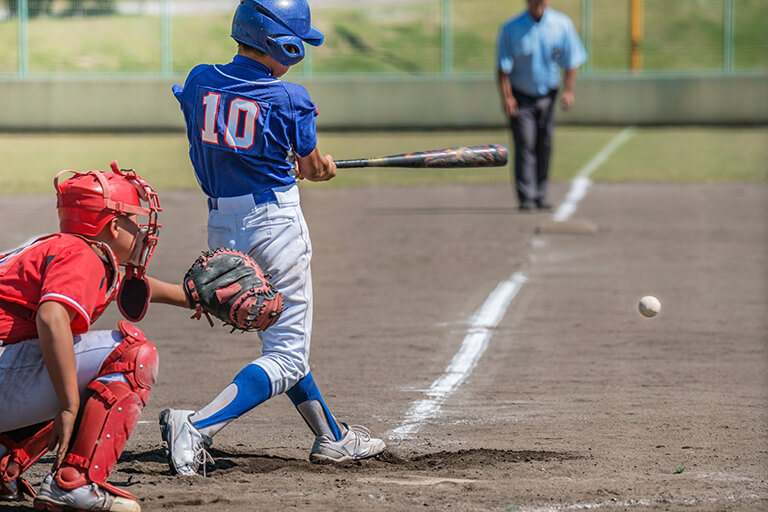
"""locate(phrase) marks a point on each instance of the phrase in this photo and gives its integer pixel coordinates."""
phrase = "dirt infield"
(578, 401)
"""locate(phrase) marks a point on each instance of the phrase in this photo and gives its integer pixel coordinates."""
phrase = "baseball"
(649, 306)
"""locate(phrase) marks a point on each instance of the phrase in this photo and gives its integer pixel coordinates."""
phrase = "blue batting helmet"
(277, 27)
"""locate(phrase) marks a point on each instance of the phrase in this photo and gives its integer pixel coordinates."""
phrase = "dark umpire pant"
(532, 133)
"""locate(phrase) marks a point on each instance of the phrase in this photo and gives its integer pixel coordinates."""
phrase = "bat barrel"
(494, 155)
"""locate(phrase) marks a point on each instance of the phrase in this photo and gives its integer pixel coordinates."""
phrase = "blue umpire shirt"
(245, 127)
(532, 52)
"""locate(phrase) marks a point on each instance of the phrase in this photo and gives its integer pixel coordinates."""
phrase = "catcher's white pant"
(276, 236)
(27, 396)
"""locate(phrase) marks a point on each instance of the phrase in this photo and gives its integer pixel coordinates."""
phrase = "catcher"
(62, 387)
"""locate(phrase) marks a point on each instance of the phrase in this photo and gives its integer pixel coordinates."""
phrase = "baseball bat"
(492, 155)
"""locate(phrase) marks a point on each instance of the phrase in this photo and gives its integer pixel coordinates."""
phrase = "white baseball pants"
(276, 236)
(27, 396)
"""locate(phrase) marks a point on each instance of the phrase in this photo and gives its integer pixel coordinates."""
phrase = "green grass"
(657, 155)
(86, 45)
(161, 158)
(679, 35)
(685, 155)
(750, 36)
(674, 31)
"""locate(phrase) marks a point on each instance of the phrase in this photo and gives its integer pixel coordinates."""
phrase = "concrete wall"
(370, 102)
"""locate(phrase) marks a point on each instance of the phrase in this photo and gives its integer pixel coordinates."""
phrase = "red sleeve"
(77, 278)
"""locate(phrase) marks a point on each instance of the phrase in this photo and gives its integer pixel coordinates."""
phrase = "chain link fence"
(406, 37)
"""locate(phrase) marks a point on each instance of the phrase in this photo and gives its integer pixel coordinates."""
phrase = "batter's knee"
(284, 370)
(299, 370)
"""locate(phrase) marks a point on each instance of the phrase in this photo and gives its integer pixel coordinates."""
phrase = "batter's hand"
(317, 167)
(510, 107)
(330, 167)
(296, 169)
(63, 426)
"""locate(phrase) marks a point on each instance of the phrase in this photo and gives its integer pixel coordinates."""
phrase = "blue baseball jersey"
(245, 127)
(532, 53)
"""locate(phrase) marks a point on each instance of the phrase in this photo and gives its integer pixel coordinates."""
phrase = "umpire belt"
(519, 95)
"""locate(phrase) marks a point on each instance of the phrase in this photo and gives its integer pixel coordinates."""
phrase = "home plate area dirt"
(577, 401)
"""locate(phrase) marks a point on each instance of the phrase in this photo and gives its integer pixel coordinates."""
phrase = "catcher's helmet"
(87, 201)
(277, 27)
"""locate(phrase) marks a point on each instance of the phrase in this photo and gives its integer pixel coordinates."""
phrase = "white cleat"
(89, 497)
(357, 444)
(187, 446)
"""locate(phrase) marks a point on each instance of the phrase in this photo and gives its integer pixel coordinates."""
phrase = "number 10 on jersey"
(242, 117)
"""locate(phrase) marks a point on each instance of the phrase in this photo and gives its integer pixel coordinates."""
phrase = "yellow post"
(636, 29)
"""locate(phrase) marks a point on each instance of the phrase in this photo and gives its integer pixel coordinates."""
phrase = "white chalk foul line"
(490, 314)
(475, 342)
(581, 182)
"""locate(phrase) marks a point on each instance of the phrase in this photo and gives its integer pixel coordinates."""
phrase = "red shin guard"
(110, 413)
(21, 455)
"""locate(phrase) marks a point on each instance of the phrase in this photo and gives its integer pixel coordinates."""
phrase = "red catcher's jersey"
(62, 268)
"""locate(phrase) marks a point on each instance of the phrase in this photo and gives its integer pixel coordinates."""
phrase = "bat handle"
(348, 164)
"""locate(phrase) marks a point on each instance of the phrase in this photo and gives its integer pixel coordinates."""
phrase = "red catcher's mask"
(87, 201)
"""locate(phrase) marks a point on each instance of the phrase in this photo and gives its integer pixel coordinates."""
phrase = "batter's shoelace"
(362, 433)
(202, 457)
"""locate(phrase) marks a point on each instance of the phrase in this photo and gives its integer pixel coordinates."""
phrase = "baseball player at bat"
(62, 386)
(252, 137)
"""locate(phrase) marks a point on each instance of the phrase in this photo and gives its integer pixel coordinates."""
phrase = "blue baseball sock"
(249, 388)
(309, 402)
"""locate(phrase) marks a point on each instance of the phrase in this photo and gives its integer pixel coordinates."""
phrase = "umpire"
(531, 49)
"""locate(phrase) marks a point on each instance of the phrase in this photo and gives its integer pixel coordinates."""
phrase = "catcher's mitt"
(229, 285)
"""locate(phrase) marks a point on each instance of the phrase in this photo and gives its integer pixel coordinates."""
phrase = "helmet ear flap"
(287, 50)
(291, 48)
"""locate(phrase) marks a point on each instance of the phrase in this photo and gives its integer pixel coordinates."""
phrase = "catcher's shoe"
(187, 446)
(89, 497)
(11, 491)
(357, 444)
(15, 490)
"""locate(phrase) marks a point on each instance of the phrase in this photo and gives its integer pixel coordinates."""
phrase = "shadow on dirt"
(154, 461)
